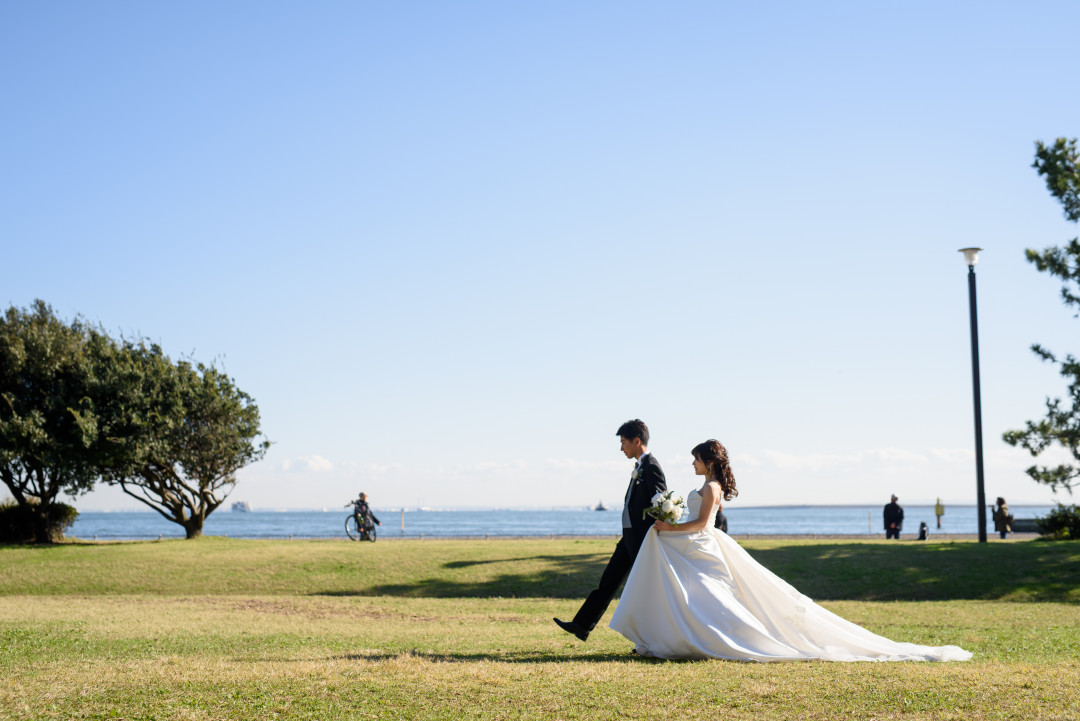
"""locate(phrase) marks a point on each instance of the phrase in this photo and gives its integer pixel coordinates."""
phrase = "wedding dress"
(700, 595)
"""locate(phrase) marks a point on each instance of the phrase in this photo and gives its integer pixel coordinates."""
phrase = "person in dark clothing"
(894, 519)
(721, 520)
(1003, 519)
(646, 481)
(364, 515)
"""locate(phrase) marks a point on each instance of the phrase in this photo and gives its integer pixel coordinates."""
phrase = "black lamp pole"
(971, 256)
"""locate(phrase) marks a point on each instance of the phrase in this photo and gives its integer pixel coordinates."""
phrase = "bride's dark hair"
(714, 456)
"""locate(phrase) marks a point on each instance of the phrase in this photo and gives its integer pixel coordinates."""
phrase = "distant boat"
(600, 506)
(241, 506)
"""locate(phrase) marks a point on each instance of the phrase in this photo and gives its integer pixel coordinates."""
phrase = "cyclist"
(364, 516)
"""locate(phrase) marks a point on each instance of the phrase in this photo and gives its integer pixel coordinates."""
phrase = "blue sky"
(450, 247)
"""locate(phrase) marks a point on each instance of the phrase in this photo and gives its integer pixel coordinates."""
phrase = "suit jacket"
(720, 521)
(893, 513)
(649, 482)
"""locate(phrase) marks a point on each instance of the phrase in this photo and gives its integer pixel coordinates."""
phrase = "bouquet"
(667, 506)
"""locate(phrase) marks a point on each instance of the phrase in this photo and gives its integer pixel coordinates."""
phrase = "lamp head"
(971, 256)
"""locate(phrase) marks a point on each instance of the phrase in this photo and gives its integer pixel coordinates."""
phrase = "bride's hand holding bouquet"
(667, 508)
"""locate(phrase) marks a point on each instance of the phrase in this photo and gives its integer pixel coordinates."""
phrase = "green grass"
(222, 628)
(535, 568)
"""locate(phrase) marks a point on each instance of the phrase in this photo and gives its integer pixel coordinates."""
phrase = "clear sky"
(450, 246)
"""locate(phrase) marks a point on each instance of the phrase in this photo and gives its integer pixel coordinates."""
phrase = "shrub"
(22, 524)
(1062, 522)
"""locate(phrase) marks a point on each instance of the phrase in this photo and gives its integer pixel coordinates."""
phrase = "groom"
(646, 481)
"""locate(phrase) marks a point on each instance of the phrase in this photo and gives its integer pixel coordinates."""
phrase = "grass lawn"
(224, 628)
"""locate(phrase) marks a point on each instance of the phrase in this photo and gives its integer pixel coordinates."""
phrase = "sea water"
(410, 523)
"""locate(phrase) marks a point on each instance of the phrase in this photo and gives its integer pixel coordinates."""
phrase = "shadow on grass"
(503, 657)
(863, 571)
(571, 576)
(1028, 571)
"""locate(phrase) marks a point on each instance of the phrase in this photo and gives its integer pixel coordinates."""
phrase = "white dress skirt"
(700, 595)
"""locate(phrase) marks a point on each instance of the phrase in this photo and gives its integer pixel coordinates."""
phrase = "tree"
(187, 430)
(1060, 164)
(77, 406)
(49, 426)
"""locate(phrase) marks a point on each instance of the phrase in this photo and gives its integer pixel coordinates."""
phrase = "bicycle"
(358, 531)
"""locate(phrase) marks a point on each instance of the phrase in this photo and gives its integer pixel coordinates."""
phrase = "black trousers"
(616, 571)
(892, 533)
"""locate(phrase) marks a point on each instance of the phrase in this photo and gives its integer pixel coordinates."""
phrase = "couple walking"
(693, 592)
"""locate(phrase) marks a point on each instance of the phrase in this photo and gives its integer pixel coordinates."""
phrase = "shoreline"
(991, 537)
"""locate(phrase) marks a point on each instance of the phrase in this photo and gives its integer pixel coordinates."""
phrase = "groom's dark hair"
(634, 429)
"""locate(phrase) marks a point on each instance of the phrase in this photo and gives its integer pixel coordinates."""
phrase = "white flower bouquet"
(667, 506)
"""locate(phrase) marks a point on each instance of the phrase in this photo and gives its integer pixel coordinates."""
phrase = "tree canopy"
(78, 407)
(49, 427)
(1060, 164)
(189, 429)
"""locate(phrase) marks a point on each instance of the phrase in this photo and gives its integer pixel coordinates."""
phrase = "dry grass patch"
(410, 685)
(199, 643)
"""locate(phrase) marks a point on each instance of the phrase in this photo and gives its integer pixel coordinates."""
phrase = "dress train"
(700, 595)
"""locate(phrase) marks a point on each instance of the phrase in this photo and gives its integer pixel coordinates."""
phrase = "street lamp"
(971, 257)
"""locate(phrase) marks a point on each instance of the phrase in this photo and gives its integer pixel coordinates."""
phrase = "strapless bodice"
(693, 505)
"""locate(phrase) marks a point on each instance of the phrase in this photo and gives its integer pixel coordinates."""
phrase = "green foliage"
(1062, 522)
(77, 406)
(1060, 163)
(50, 429)
(22, 523)
(187, 430)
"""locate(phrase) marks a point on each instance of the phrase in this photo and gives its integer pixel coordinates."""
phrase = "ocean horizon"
(854, 520)
(734, 505)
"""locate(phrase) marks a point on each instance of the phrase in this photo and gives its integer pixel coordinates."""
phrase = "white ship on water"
(241, 506)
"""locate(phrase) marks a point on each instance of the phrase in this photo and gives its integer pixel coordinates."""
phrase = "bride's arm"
(709, 499)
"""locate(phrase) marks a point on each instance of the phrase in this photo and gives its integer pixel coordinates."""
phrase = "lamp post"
(971, 257)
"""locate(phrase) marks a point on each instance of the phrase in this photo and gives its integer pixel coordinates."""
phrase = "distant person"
(1002, 518)
(364, 515)
(645, 482)
(894, 519)
(939, 511)
(721, 520)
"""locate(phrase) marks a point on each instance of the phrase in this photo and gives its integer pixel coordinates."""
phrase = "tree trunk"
(193, 527)
(45, 530)
(40, 525)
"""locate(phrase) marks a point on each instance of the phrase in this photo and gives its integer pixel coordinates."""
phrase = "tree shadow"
(571, 576)
(914, 571)
(856, 570)
(87, 543)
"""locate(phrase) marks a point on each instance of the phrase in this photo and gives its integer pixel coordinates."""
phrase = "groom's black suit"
(649, 481)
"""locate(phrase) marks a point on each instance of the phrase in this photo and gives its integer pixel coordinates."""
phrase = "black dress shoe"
(574, 628)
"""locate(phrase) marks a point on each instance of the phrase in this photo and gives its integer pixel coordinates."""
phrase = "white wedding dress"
(700, 595)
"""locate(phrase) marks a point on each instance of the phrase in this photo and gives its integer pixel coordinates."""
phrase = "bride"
(695, 593)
